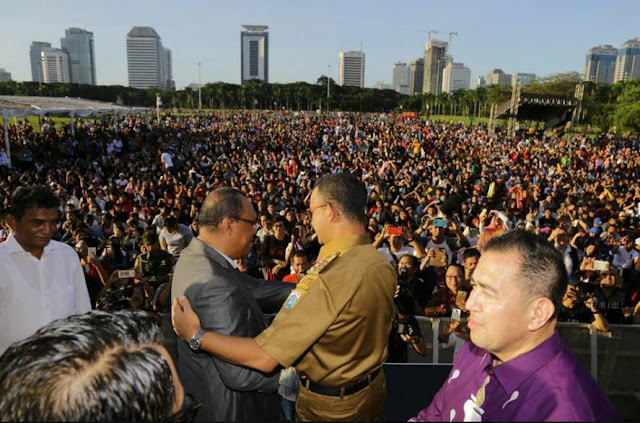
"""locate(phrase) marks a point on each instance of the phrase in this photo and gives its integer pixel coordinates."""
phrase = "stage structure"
(22, 106)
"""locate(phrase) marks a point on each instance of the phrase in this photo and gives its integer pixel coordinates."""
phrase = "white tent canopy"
(22, 106)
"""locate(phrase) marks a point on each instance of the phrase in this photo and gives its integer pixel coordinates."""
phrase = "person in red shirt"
(300, 263)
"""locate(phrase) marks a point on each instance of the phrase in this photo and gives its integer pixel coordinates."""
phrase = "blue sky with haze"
(306, 36)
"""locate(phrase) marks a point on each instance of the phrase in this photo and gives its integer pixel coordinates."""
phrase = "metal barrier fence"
(612, 357)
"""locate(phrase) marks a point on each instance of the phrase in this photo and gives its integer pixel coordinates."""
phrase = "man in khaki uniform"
(334, 326)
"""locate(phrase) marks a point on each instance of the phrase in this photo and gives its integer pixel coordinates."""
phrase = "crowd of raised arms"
(432, 188)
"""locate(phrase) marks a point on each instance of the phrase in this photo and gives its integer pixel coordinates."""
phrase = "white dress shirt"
(35, 292)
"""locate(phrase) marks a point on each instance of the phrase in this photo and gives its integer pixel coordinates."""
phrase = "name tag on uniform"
(292, 299)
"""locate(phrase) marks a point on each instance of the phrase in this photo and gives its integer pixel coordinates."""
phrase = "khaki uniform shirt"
(159, 263)
(335, 325)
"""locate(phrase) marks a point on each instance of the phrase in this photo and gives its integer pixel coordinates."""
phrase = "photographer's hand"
(417, 342)
(408, 339)
(590, 303)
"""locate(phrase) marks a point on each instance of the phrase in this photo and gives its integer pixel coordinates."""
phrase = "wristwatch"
(196, 340)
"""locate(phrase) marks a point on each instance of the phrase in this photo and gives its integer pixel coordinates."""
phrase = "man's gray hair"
(96, 366)
(221, 203)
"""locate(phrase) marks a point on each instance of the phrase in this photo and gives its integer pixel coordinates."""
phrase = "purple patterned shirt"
(547, 383)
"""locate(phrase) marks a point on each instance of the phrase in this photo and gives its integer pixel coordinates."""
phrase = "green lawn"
(435, 118)
(456, 119)
(33, 120)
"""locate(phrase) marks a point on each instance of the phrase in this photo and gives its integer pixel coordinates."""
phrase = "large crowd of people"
(132, 194)
(131, 199)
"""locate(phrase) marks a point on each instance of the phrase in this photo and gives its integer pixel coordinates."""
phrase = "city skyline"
(306, 38)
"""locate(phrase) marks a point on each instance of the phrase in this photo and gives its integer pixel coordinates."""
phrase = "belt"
(339, 392)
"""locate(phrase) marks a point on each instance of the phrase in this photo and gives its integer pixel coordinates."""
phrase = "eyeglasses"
(251, 222)
(310, 210)
(188, 410)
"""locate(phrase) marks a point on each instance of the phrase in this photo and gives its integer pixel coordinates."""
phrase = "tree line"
(605, 106)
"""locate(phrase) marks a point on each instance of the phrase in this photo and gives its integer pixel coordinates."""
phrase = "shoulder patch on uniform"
(322, 264)
(292, 299)
(302, 286)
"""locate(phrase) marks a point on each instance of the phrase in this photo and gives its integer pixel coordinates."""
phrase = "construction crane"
(451, 34)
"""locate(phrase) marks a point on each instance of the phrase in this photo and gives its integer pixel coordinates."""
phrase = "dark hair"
(415, 262)
(33, 197)
(300, 253)
(171, 222)
(261, 215)
(542, 270)
(470, 253)
(346, 192)
(96, 366)
(220, 203)
(459, 266)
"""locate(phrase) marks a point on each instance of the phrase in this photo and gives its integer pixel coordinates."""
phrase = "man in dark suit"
(228, 302)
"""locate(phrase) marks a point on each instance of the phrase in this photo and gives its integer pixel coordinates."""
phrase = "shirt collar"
(343, 244)
(14, 247)
(512, 373)
(227, 258)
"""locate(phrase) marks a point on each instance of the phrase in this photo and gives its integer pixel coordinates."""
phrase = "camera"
(116, 300)
(403, 272)
(581, 296)
(402, 288)
(406, 329)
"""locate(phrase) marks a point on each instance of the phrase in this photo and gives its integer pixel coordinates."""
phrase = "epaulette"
(322, 264)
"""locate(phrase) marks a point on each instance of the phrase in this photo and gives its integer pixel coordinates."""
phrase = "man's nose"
(51, 227)
(471, 302)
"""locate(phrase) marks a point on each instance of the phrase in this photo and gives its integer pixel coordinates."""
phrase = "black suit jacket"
(232, 303)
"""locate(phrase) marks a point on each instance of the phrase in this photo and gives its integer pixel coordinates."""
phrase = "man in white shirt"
(625, 255)
(166, 159)
(4, 159)
(40, 279)
(121, 181)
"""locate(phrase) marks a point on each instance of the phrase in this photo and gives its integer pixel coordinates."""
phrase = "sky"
(306, 36)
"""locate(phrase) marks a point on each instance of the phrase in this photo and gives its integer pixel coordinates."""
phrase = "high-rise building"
(167, 69)
(435, 60)
(78, 44)
(254, 53)
(456, 76)
(55, 65)
(352, 68)
(399, 80)
(148, 62)
(35, 54)
(4, 75)
(525, 78)
(479, 81)
(498, 77)
(416, 76)
(628, 61)
(600, 64)
(380, 85)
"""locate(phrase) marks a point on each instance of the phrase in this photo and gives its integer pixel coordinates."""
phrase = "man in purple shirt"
(517, 368)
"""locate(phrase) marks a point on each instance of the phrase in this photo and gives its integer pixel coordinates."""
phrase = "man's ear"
(541, 311)
(12, 222)
(225, 225)
(333, 212)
